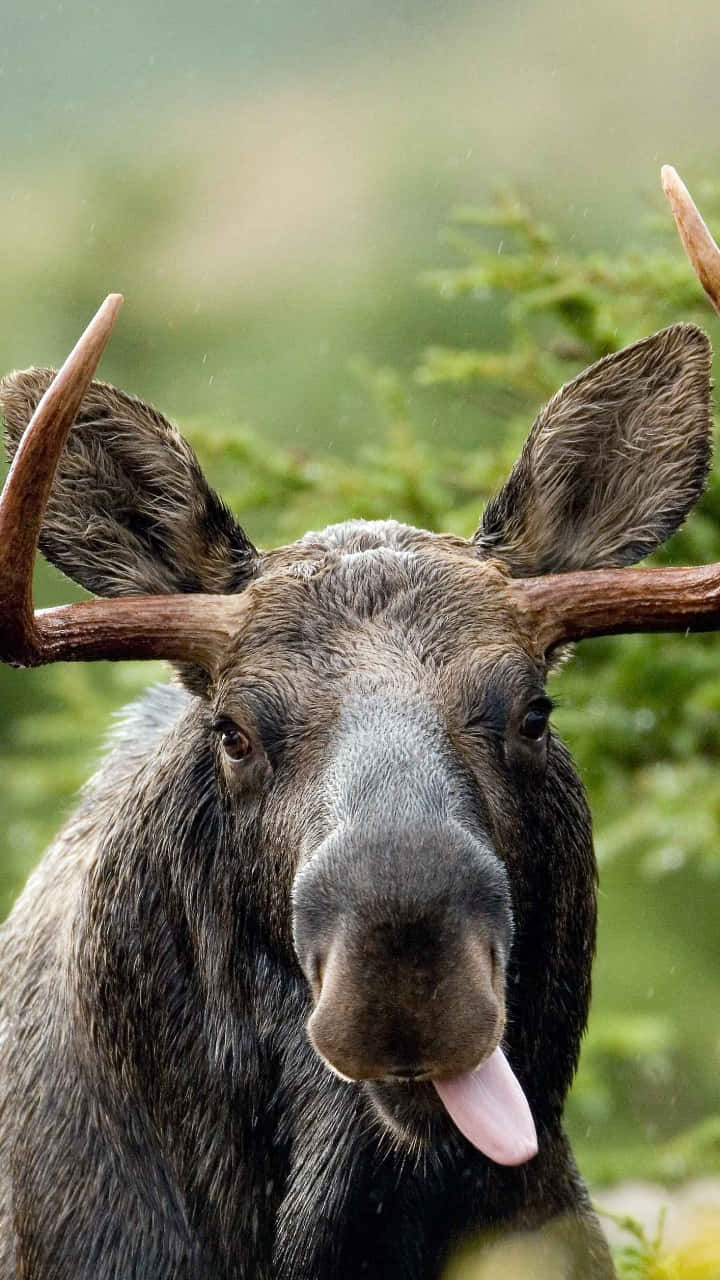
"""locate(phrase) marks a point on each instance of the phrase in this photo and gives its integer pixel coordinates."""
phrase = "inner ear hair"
(130, 512)
(613, 463)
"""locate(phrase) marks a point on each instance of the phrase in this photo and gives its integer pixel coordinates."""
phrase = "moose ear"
(613, 463)
(130, 512)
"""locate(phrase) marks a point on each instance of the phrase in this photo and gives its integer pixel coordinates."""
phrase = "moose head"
(395, 824)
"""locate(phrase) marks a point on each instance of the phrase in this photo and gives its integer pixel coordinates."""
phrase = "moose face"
(381, 728)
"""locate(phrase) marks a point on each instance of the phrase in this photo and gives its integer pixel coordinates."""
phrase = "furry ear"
(130, 512)
(613, 463)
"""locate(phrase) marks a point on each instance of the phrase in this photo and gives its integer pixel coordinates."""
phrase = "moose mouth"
(487, 1105)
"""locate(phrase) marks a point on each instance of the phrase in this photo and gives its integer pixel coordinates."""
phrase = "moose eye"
(235, 742)
(535, 721)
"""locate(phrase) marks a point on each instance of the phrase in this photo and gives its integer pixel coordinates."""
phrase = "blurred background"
(360, 245)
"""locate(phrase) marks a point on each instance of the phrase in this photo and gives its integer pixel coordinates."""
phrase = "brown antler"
(187, 628)
(697, 242)
(574, 606)
(605, 602)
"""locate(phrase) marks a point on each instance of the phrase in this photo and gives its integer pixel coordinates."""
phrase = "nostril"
(316, 973)
(407, 1072)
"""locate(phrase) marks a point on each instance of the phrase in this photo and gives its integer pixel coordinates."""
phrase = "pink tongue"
(491, 1110)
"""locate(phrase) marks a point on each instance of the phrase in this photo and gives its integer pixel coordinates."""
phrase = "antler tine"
(28, 485)
(701, 249)
(188, 628)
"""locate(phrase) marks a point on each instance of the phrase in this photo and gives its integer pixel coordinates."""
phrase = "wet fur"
(162, 1111)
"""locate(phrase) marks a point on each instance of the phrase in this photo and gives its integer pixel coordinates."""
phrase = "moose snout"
(405, 957)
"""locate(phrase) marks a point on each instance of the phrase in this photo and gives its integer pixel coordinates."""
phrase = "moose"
(298, 992)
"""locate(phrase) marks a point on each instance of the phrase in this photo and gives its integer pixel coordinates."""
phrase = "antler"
(186, 628)
(697, 242)
(575, 606)
(604, 602)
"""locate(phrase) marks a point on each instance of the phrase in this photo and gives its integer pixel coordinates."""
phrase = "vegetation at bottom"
(641, 713)
(643, 1254)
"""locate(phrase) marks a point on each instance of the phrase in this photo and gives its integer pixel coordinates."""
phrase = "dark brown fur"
(389, 862)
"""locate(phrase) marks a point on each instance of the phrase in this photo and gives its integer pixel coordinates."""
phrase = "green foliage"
(641, 714)
(639, 1257)
(645, 1256)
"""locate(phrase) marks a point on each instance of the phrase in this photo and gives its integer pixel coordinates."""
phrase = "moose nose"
(403, 937)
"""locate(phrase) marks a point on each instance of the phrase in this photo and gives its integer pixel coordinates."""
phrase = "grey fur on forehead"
(367, 541)
(367, 535)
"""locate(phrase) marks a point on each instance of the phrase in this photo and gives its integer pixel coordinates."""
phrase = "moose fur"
(163, 1111)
